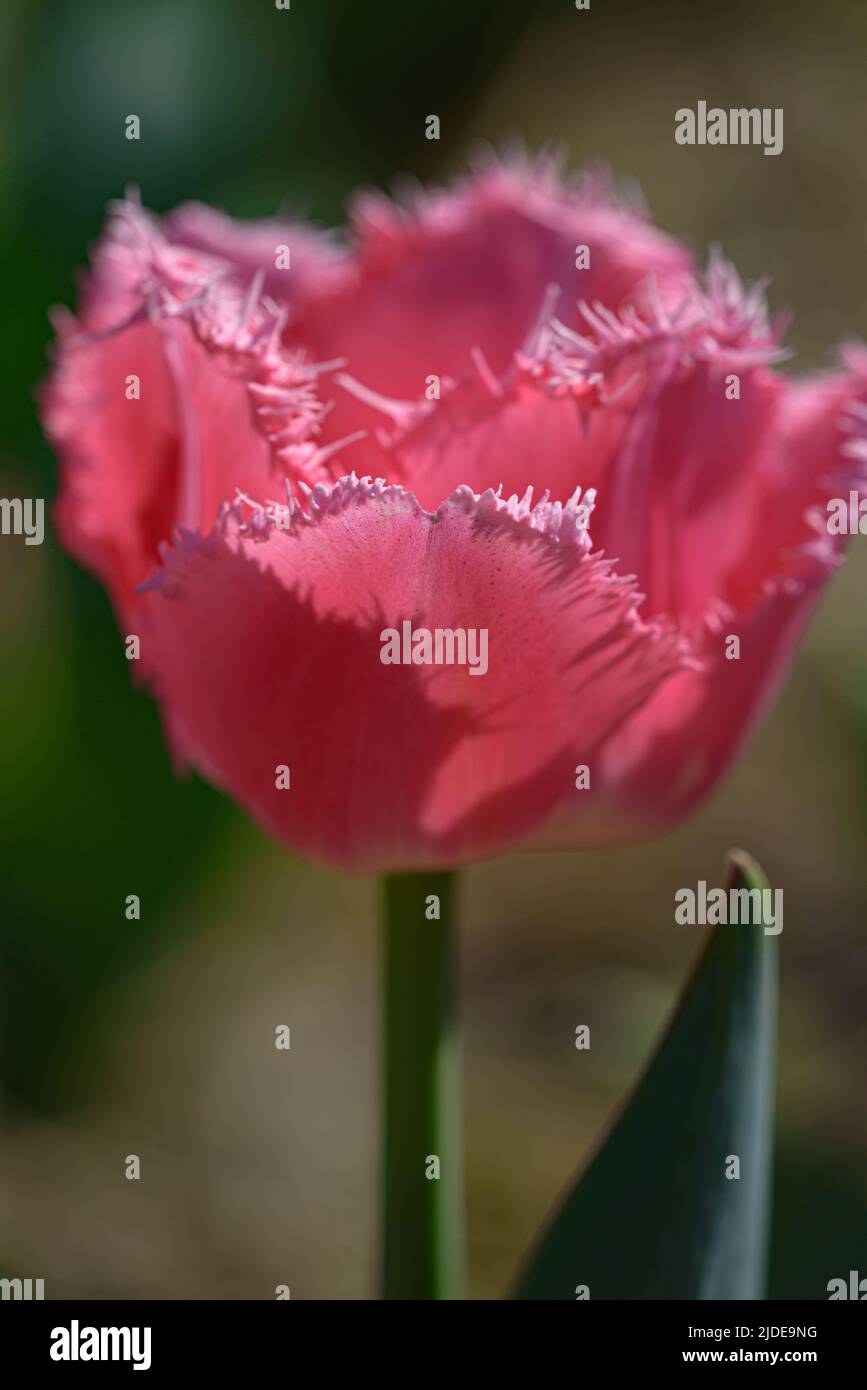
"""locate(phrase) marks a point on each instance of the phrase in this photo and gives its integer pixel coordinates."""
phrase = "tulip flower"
(510, 408)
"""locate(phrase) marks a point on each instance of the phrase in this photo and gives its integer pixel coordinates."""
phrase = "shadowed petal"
(661, 764)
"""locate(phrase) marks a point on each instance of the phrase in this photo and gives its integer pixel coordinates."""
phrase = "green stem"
(423, 1215)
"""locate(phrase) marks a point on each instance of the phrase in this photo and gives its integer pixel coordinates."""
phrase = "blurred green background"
(156, 1037)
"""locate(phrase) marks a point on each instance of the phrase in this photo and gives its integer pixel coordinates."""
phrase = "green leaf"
(654, 1215)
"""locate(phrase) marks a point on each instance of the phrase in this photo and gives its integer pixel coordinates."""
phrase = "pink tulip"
(511, 402)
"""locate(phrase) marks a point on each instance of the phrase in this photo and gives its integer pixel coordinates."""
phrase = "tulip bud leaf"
(674, 1203)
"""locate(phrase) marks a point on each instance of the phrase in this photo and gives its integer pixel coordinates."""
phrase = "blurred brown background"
(156, 1038)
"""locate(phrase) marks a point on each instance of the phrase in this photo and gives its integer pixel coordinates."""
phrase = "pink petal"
(818, 450)
(473, 266)
(132, 257)
(219, 399)
(516, 436)
(678, 466)
(665, 760)
(119, 457)
(266, 644)
(317, 265)
(635, 407)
